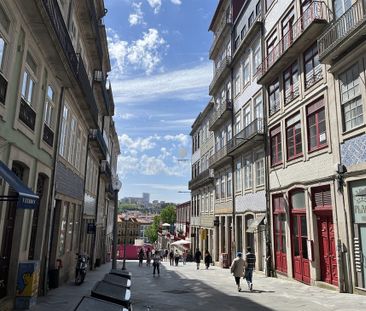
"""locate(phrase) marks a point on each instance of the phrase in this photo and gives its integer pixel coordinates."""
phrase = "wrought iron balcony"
(303, 32)
(3, 88)
(219, 116)
(105, 169)
(27, 115)
(225, 24)
(245, 136)
(201, 179)
(99, 77)
(218, 157)
(344, 34)
(221, 71)
(48, 135)
(96, 140)
(248, 36)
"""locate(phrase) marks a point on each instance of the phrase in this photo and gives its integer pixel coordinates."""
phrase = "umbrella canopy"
(181, 242)
(165, 224)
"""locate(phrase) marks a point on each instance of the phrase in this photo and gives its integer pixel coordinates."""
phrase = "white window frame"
(246, 72)
(248, 175)
(238, 179)
(49, 107)
(64, 131)
(259, 169)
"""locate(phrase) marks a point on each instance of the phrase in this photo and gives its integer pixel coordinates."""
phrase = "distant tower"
(146, 198)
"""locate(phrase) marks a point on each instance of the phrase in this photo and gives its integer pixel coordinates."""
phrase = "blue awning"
(26, 197)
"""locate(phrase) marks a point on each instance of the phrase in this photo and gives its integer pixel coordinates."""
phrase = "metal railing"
(3, 88)
(219, 70)
(226, 106)
(48, 135)
(341, 28)
(27, 115)
(203, 176)
(96, 135)
(246, 34)
(252, 129)
(218, 155)
(316, 11)
(227, 20)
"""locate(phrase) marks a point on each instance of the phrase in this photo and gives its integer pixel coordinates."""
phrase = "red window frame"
(276, 146)
(288, 82)
(274, 99)
(311, 57)
(294, 140)
(316, 118)
(279, 232)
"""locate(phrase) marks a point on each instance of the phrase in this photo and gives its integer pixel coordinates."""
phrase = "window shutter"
(315, 106)
(322, 197)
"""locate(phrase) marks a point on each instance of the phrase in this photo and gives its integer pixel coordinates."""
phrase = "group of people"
(150, 255)
(243, 268)
(174, 257)
(198, 257)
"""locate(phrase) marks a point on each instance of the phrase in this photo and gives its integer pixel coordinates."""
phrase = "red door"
(301, 264)
(280, 242)
(327, 250)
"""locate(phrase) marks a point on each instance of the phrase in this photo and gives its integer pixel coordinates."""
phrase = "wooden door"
(280, 243)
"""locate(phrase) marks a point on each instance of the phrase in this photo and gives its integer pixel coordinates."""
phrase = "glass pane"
(284, 244)
(2, 52)
(304, 247)
(24, 85)
(298, 200)
(294, 226)
(296, 246)
(303, 227)
(30, 91)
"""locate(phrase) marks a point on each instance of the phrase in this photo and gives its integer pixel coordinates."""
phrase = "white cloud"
(138, 144)
(126, 164)
(124, 116)
(177, 2)
(155, 4)
(137, 17)
(185, 122)
(181, 138)
(185, 84)
(145, 53)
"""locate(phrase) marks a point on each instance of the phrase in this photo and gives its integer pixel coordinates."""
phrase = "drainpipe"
(51, 203)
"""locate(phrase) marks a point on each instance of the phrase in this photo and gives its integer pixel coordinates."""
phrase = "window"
(257, 55)
(247, 116)
(268, 4)
(258, 107)
(237, 123)
(294, 142)
(229, 132)
(258, 8)
(259, 169)
(217, 189)
(229, 184)
(272, 51)
(243, 32)
(237, 84)
(340, 7)
(222, 187)
(238, 176)
(72, 142)
(274, 97)
(49, 106)
(246, 72)
(321, 197)
(276, 146)
(2, 52)
(352, 110)
(28, 87)
(251, 20)
(64, 131)
(247, 173)
(287, 32)
(317, 136)
(78, 149)
(291, 83)
(313, 68)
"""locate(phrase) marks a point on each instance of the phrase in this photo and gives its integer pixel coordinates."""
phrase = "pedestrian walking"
(237, 269)
(249, 267)
(156, 262)
(176, 258)
(197, 257)
(171, 258)
(148, 257)
(141, 257)
(208, 259)
(165, 256)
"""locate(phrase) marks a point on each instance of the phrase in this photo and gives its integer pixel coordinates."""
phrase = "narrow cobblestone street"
(185, 288)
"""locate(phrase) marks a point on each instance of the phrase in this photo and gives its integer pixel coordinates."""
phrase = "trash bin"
(112, 293)
(53, 278)
(121, 273)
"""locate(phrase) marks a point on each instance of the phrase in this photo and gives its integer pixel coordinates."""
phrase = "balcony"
(101, 82)
(3, 88)
(219, 116)
(225, 24)
(344, 34)
(97, 141)
(105, 169)
(219, 157)
(308, 27)
(48, 135)
(247, 37)
(221, 71)
(204, 178)
(247, 138)
(27, 115)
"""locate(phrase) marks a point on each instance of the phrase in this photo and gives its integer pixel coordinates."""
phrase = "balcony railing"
(48, 135)
(317, 12)
(226, 106)
(3, 88)
(226, 21)
(99, 77)
(254, 128)
(204, 177)
(223, 66)
(341, 28)
(218, 155)
(105, 168)
(27, 115)
(95, 135)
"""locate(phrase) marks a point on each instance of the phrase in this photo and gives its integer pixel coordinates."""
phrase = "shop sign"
(358, 189)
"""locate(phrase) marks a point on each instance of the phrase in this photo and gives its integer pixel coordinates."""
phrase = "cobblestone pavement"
(185, 288)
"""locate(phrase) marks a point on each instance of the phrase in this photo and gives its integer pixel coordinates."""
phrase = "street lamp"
(124, 244)
(116, 185)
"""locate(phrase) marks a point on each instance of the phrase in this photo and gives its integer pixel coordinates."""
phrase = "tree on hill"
(152, 230)
(168, 214)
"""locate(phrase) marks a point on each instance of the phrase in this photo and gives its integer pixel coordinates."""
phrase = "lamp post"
(124, 243)
(116, 185)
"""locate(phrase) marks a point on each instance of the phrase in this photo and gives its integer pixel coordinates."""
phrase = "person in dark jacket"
(171, 258)
(208, 259)
(141, 257)
(197, 257)
(249, 267)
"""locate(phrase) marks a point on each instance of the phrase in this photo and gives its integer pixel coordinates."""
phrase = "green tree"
(168, 214)
(152, 231)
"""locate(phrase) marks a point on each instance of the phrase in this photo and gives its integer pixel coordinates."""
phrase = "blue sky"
(160, 77)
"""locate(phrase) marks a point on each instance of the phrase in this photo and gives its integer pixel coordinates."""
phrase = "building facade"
(182, 223)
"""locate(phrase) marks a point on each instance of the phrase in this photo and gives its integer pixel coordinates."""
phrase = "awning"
(255, 223)
(26, 197)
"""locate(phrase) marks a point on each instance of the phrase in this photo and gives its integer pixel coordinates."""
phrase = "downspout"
(51, 203)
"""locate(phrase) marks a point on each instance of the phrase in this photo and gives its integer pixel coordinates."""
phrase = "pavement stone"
(184, 288)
